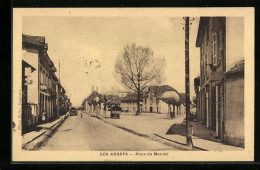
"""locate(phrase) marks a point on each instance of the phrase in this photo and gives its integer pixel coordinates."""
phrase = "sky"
(75, 41)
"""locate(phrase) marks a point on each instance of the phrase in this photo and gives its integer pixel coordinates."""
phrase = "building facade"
(39, 84)
(129, 103)
(220, 40)
(153, 101)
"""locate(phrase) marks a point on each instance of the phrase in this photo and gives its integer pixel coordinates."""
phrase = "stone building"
(129, 103)
(221, 43)
(154, 103)
(39, 83)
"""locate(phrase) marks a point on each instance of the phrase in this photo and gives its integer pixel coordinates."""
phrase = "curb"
(156, 137)
(38, 141)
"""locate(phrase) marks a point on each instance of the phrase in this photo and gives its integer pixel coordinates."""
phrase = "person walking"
(81, 114)
(190, 134)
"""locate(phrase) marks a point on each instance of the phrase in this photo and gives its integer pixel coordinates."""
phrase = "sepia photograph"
(133, 84)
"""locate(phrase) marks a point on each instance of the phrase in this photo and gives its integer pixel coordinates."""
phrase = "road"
(89, 133)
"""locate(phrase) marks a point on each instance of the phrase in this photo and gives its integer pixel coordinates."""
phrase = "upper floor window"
(206, 34)
(202, 66)
(46, 79)
(206, 64)
(214, 49)
(41, 77)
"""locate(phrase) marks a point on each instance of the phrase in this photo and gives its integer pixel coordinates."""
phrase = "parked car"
(73, 111)
(115, 112)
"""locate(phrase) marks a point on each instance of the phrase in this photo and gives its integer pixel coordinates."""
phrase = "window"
(206, 33)
(47, 80)
(50, 82)
(44, 78)
(202, 65)
(206, 64)
(214, 49)
(41, 77)
(157, 101)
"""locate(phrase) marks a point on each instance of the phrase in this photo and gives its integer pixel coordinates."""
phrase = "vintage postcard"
(133, 84)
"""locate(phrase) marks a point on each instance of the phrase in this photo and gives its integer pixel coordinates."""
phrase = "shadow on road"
(200, 131)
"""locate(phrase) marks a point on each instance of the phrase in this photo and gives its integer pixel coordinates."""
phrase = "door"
(207, 108)
(213, 112)
(219, 105)
(151, 109)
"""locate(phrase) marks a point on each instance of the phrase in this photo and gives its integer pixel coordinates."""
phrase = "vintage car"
(115, 112)
(73, 111)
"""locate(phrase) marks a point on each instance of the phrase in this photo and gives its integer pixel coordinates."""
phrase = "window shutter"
(220, 44)
(210, 56)
(220, 39)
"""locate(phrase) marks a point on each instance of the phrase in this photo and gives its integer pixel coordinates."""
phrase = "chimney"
(97, 89)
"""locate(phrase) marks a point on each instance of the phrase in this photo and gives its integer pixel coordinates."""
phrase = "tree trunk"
(138, 100)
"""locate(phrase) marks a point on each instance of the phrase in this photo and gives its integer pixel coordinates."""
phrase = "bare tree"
(138, 69)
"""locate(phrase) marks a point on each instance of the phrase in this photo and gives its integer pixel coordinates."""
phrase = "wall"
(31, 57)
(129, 106)
(234, 110)
(163, 107)
(234, 40)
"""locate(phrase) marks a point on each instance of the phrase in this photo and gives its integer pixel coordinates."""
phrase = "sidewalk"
(33, 139)
(158, 127)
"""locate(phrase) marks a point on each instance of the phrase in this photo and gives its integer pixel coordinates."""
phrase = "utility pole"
(187, 78)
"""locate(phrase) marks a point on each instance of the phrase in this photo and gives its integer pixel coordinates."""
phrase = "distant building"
(98, 104)
(129, 103)
(93, 102)
(220, 94)
(123, 93)
(152, 101)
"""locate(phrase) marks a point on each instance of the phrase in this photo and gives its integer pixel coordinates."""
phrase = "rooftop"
(132, 97)
(160, 90)
(238, 67)
(34, 41)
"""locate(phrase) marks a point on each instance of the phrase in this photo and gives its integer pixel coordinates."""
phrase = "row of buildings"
(220, 86)
(43, 97)
(157, 99)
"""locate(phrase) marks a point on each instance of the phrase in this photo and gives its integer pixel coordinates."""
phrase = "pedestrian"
(81, 113)
(190, 134)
